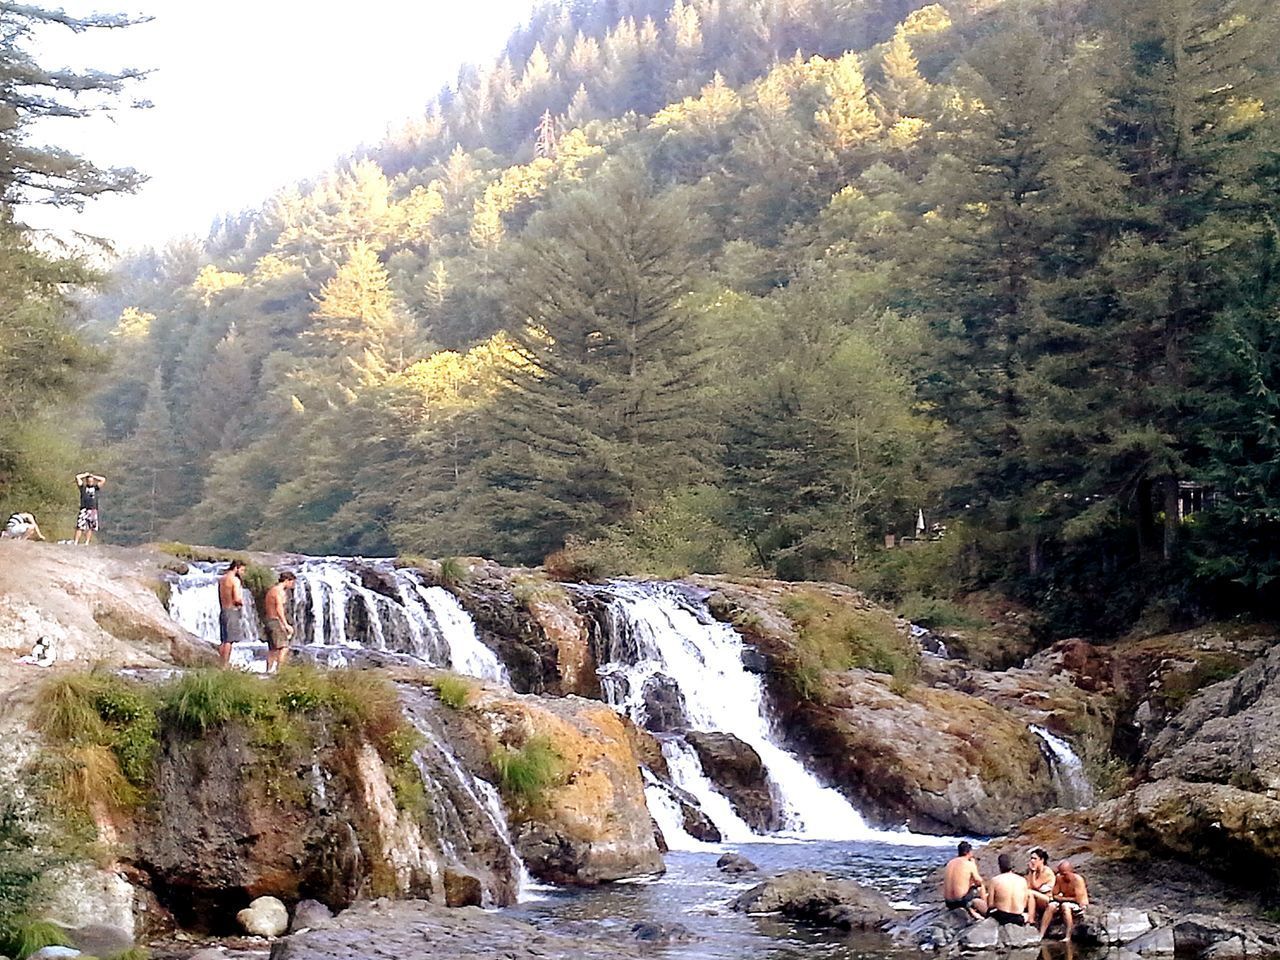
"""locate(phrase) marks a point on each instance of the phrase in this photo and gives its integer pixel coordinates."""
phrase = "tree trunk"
(1169, 487)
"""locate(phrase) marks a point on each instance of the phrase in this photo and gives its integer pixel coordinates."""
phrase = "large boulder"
(1228, 734)
(816, 898)
(738, 772)
(592, 823)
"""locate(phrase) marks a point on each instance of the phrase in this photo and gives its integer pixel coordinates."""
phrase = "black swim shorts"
(1004, 916)
(963, 902)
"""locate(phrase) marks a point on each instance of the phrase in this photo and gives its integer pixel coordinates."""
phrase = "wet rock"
(1121, 926)
(697, 824)
(462, 889)
(1013, 937)
(753, 661)
(264, 917)
(1155, 943)
(55, 953)
(209, 953)
(310, 913)
(983, 935)
(737, 771)
(664, 709)
(648, 932)
(1232, 949)
(817, 898)
(736, 863)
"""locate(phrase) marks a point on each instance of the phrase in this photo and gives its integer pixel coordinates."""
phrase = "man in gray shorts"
(230, 610)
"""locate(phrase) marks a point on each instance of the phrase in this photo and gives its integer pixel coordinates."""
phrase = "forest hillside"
(924, 298)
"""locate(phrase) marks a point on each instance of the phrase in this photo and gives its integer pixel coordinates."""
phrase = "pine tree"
(150, 487)
(601, 414)
(359, 317)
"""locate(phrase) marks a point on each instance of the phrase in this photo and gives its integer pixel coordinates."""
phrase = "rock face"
(819, 899)
(593, 824)
(737, 771)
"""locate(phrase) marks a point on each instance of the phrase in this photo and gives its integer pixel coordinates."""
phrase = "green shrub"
(930, 568)
(258, 579)
(452, 572)
(453, 690)
(536, 588)
(526, 773)
(578, 560)
(34, 935)
(201, 699)
(832, 636)
(937, 614)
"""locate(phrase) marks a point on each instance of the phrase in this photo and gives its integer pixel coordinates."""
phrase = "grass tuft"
(453, 690)
(452, 572)
(201, 699)
(832, 637)
(35, 935)
(526, 773)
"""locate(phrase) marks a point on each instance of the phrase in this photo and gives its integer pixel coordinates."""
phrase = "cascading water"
(1068, 770)
(334, 609)
(466, 807)
(664, 652)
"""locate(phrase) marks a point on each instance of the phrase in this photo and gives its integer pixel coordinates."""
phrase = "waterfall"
(470, 798)
(664, 653)
(193, 603)
(335, 610)
(1073, 786)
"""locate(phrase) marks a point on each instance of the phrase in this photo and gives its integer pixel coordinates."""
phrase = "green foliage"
(526, 773)
(201, 699)
(35, 935)
(936, 614)
(258, 579)
(452, 572)
(834, 636)
(580, 561)
(24, 864)
(453, 691)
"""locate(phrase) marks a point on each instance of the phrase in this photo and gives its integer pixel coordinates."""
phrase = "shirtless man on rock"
(1010, 895)
(230, 610)
(963, 887)
(1069, 898)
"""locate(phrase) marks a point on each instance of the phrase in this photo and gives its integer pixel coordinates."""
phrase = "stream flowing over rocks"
(684, 760)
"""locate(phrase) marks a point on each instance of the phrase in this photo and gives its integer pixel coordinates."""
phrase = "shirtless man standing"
(1070, 896)
(1010, 896)
(279, 629)
(230, 610)
(963, 887)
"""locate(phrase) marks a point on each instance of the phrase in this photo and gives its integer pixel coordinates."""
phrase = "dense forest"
(925, 299)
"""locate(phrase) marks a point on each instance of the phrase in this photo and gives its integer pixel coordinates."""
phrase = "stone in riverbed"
(983, 935)
(1158, 941)
(817, 898)
(308, 914)
(100, 939)
(1014, 937)
(1123, 925)
(462, 889)
(736, 863)
(264, 917)
(661, 932)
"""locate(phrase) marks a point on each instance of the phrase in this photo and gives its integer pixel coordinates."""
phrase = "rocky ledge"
(416, 930)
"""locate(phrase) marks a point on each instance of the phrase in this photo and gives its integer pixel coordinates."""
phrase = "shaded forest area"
(758, 285)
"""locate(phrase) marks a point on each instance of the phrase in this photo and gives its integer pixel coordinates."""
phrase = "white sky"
(251, 95)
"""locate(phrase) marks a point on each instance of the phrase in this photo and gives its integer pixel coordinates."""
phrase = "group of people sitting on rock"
(1016, 898)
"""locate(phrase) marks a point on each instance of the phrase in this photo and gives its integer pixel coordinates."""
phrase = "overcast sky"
(251, 95)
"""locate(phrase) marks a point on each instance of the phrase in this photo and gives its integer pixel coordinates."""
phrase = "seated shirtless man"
(1069, 898)
(962, 886)
(1010, 896)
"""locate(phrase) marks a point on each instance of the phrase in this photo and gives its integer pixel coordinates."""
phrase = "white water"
(1068, 769)
(425, 622)
(658, 635)
(193, 603)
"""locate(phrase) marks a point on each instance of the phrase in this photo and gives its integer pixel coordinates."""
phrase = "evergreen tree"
(602, 412)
